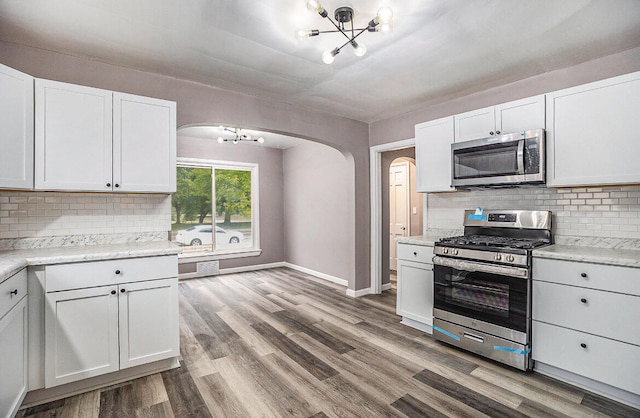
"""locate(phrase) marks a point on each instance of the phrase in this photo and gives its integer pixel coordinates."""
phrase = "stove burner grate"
(494, 241)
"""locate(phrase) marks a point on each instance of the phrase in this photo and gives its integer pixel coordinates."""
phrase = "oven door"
(490, 293)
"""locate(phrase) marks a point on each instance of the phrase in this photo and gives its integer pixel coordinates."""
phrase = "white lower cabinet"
(121, 324)
(584, 322)
(13, 343)
(415, 285)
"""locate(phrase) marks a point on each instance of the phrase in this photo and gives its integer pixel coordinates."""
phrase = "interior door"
(398, 208)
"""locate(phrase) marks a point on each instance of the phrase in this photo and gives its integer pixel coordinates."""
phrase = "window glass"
(208, 193)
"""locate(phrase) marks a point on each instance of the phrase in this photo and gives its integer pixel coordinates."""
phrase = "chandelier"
(343, 16)
(238, 136)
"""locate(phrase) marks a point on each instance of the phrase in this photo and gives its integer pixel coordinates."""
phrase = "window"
(215, 196)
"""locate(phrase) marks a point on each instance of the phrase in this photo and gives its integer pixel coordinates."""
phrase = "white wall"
(316, 214)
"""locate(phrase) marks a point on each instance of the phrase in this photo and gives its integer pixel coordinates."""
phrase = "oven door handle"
(481, 267)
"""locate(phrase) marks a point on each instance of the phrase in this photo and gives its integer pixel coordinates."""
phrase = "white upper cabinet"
(592, 133)
(73, 137)
(519, 115)
(144, 143)
(89, 139)
(16, 132)
(433, 155)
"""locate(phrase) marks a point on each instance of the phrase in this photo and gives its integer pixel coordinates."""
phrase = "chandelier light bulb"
(314, 5)
(260, 140)
(385, 14)
(302, 33)
(358, 49)
(220, 140)
(330, 55)
(385, 27)
(235, 140)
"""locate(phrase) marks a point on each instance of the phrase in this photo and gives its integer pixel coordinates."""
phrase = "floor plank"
(280, 343)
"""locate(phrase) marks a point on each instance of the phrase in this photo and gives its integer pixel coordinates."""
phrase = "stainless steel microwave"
(503, 160)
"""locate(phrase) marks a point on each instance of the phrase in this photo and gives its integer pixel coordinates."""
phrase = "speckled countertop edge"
(426, 240)
(608, 256)
(12, 262)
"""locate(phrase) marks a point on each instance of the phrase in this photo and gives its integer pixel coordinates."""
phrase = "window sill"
(218, 255)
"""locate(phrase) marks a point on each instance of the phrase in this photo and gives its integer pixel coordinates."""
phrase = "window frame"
(214, 254)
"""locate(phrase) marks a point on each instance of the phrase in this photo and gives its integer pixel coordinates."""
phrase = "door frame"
(375, 161)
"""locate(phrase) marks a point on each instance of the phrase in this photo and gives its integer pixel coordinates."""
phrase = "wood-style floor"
(279, 343)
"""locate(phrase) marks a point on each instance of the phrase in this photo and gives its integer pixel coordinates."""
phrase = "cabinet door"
(16, 134)
(73, 137)
(415, 291)
(144, 141)
(520, 115)
(433, 155)
(148, 322)
(476, 124)
(81, 334)
(13, 358)
(592, 133)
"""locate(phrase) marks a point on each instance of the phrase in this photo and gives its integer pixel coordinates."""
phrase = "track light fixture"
(239, 136)
(344, 15)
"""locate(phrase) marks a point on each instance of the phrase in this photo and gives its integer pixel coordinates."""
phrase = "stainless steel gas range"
(482, 284)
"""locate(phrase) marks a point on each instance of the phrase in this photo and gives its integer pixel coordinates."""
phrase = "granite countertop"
(13, 261)
(426, 240)
(608, 256)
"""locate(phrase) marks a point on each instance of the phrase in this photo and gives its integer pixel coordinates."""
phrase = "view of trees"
(193, 198)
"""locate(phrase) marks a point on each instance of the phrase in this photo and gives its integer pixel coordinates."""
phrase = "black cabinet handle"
(583, 300)
(497, 132)
(117, 185)
(415, 253)
(583, 345)
(491, 133)
(117, 271)
(14, 292)
(583, 274)
(108, 184)
(113, 292)
(122, 290)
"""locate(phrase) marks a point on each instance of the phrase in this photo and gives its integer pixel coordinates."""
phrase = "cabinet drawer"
(412, 252)
(16, 283)
(594, 276)
(601, 359)
(100, 273)
(607, 314)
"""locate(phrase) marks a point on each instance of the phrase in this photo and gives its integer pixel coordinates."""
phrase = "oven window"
(492, 298)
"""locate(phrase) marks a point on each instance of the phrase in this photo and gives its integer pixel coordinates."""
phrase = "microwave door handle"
(520, 156)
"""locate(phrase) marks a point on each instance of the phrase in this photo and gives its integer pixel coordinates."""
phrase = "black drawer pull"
(113, 292)
(14, 292)
(583, 300)
(117, 271)
(583, 274)
(583, 345)
(415, 253)
(122, 290)
(108, 184)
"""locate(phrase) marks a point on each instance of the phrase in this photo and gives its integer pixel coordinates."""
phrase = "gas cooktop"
(469, 241)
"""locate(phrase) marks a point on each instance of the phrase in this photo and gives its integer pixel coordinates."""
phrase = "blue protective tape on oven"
(447, 333)
(474, 217)
(512, 350)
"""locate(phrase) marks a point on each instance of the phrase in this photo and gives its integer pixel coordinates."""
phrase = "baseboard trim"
(327, 277)
(358, 293)
(252, 268)
(386, 286)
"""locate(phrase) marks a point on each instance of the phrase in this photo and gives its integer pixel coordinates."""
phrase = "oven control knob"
(510, 258)
(454, 252)
(445, 251)
(497, 257)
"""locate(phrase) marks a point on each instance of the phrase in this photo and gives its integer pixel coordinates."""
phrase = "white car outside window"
(202, 235)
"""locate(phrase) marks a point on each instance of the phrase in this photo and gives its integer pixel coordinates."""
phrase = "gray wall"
(198, 103)
(402, 126)
(271, 192)
(315, 214)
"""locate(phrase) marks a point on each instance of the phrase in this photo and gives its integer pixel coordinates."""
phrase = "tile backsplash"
(609, 215)
(33, 216)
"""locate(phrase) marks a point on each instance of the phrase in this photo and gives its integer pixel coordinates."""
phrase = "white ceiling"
(438, 49)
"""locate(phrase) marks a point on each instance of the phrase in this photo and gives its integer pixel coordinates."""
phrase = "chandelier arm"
(338, 27)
